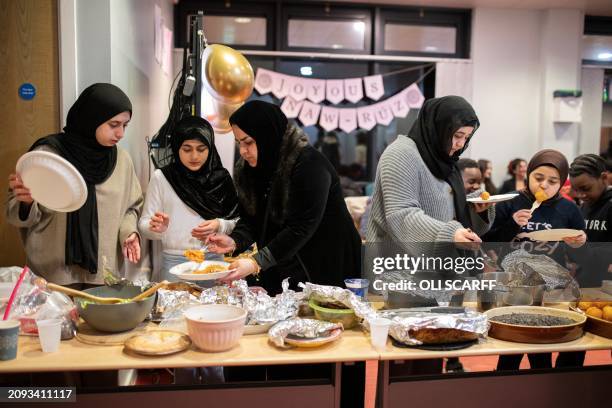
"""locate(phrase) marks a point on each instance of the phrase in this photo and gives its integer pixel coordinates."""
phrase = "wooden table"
(587, 386)
(353, 346)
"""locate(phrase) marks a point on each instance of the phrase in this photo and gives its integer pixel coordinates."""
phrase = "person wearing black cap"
(191, 197)
(69, 248)
(291, 205)
(546, 172)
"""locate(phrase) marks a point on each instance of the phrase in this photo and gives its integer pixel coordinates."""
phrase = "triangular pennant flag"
(414, 96)
(366, 117)
(348, 119)
(334, 90)
(384, 114)
(291, 107)
(329, 118)
(398, 105)
(353, 90)
(263, 81)
(315, 90)
(374, 87)
(280, 85)
(297, 88)
(309, 113)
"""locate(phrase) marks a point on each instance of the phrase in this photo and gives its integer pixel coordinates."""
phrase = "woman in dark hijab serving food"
(291, 205)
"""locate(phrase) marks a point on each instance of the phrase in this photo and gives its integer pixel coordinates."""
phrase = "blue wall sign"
(27, 91)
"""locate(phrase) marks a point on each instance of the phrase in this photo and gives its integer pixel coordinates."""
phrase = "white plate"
(493, 199)
(186, 269)
(550, 234)
(257, 328)
(52, 180)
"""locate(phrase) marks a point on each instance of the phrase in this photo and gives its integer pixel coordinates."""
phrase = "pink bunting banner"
(316, 90)
(353, 90)
(366, 117)
(329, 118)
(309, 113)
(348, 119)
(374, 88)
(334, 90)
(291, 108)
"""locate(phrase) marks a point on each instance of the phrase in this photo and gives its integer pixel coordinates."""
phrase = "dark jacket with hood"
(298, 219)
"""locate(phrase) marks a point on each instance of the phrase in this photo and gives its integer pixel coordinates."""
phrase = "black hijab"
(77, 144)
(209, 191)
(433, 131)
(551, 158)
(267, 124)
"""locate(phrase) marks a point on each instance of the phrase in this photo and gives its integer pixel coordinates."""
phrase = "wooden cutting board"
(88, 335)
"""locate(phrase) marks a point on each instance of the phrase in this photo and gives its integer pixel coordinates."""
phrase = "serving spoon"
(106, 300)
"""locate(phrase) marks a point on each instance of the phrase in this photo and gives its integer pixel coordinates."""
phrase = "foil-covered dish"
(262, 309)
(437, 325)
(336, 297)
(303, 332)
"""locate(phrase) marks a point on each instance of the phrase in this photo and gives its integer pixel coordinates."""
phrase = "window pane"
(336, 34)
(403, 37)
(597, 47)
(235, 30)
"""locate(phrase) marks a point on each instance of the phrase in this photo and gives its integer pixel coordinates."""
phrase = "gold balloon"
(219, 120)
(227, 74)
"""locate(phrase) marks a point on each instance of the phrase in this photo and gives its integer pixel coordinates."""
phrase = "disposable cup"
(9, 334)
(49, 333)
(379, 330)
(358, 286)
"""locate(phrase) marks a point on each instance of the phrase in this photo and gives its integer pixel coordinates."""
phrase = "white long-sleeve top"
(177, 238)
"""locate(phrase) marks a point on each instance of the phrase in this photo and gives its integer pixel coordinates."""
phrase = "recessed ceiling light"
(336, 46)
(359, 26)
(431, 48)
(242, 20)
(306, 71)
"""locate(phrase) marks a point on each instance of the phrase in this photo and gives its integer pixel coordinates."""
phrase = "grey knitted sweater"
(410, 204)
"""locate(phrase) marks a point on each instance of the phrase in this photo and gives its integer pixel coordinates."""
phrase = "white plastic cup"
(50, 334)
(379, 330)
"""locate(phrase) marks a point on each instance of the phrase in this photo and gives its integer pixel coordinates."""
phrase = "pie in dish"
(158, 342)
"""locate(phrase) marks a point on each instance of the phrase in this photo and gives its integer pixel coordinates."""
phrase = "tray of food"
(535, 324)
(207, 270)
(599, 317)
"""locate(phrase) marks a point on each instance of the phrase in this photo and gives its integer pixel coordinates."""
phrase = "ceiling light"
(306, 71)
(604, 55)
(242, 20)
(359, 26)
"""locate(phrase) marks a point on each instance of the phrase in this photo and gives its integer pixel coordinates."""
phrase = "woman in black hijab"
(191, 197)
(291, 206)
(94, 125)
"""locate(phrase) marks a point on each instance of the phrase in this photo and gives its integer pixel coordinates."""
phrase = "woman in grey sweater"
(418, 193)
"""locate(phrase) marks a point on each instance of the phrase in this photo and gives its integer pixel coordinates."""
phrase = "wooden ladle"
(106, 300)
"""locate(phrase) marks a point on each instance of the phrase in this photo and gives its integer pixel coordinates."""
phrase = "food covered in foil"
(333, 296)
(301, 328)
(532, 269)
(435, 325)
(261, 308)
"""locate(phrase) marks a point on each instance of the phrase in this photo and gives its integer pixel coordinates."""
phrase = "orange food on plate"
(584, 305)
(607, 313)
(211, 269)
(595, 312)
(485, 195)
(194, 255)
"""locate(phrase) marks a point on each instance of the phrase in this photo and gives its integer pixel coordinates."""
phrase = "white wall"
(506, 79)
(113, 41)
(590, 128)
(135, 70)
